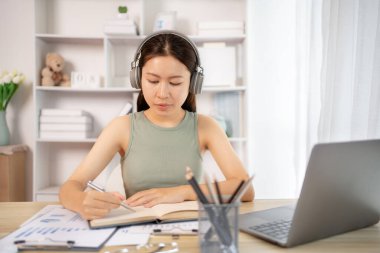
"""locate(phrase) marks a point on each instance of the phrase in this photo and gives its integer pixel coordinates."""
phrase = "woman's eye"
(153, 81)
(174, 84)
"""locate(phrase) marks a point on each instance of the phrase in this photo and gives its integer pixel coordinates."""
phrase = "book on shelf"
(229, 106)
(160, 213)
(221, 32)
(120, 26)
(135, 97)
(63, 112)
(126, 109)
(64, 135)
(220, 62)
(220, 28)
(220, 25)
(120, 21)
(66, 119)
(65, 127)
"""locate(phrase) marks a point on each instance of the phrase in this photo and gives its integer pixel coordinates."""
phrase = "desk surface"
(12, 214)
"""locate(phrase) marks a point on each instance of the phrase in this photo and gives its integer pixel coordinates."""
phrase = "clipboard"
(175, 229)
(57, 229)
(23, 245)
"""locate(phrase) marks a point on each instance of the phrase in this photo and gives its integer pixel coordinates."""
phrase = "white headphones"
(196, 78)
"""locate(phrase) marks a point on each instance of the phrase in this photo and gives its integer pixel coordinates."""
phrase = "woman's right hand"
(98, 204)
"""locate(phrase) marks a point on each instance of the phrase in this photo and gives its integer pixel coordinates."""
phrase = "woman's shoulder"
(120, 122)
(206, 123)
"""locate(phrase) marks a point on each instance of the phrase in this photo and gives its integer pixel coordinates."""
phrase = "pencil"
(211, 189)
(218, 192)
(242, 189)
(189, 177)
(235, 192)
(223, 235)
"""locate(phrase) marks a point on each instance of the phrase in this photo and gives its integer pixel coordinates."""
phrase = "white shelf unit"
(74, 29)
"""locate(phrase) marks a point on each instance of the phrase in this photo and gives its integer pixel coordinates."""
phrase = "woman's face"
(165, 84)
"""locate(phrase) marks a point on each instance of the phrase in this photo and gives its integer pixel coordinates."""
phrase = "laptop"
(340, 193)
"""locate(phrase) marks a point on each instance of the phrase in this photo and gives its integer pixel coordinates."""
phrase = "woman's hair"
(168, 44)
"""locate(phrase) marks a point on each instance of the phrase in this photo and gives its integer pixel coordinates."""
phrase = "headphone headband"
(196, 77)
(138, 51)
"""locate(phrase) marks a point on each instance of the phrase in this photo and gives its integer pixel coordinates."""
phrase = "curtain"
(314, 77)
(350, 77)
(272, 88)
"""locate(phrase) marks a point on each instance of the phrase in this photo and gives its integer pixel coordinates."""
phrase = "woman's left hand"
(154, 196)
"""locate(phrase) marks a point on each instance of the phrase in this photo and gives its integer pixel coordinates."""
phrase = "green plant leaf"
(123, 9)
(1, 98)
(10, 90)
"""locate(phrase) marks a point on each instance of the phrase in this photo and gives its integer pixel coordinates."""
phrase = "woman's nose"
(163, 90)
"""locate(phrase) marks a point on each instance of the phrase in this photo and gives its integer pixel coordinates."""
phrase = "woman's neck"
(165, 121)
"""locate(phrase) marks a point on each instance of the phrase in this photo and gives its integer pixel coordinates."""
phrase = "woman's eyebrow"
(155, 75)
(148, 73)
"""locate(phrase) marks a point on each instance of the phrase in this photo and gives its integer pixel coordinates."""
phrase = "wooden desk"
(12, 214)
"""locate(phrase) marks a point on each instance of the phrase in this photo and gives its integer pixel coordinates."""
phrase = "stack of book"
(120, 26)
(65, 124)
(220, 28)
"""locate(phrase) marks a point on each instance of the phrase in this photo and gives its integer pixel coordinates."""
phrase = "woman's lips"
(162, 106)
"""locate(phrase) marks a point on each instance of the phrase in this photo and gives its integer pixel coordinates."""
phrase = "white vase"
(123, 16)
(4, 130)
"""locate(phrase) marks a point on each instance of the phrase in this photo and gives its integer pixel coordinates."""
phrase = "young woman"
(161, 139)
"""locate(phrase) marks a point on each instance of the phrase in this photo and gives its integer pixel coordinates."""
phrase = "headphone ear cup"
(134, 77)
(196, 82)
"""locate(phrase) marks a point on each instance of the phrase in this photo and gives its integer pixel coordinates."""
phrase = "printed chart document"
(59, 228)
(187, 210)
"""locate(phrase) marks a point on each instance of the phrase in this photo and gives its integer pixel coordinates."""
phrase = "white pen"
(99, 189)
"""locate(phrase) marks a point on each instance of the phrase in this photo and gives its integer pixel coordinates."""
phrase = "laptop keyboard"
(277, 229)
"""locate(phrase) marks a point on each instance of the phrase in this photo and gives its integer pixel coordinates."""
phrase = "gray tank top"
(157, 156)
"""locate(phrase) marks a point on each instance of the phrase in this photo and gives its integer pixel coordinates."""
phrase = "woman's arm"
(93, 204)
(213, 138)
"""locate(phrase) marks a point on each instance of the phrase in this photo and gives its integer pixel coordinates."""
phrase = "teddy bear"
(52, 74)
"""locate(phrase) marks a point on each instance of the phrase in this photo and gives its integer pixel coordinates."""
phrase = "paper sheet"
(139, 234)
(123, 236)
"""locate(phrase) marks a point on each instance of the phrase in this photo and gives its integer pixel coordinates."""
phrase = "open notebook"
(187, 210)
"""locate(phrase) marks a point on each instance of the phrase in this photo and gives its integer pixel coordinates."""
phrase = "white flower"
(7, 79)
(11, 77)
(4, 73)
(14, 73)
(16, 79)
(9, 83)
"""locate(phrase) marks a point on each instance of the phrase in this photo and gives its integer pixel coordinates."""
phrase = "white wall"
(16, 52)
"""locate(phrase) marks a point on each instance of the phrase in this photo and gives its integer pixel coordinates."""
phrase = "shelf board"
(70, 89)
(54, 189)
(57, 38)
(128, 89)
(231, 39)
(125, 39)
(237, 139)
(66, 140)
(196, 38)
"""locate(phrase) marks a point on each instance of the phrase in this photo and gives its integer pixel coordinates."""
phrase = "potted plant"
(9, 83)
(122, 12)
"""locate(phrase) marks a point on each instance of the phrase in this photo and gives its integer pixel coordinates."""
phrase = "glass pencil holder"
(218, 228)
